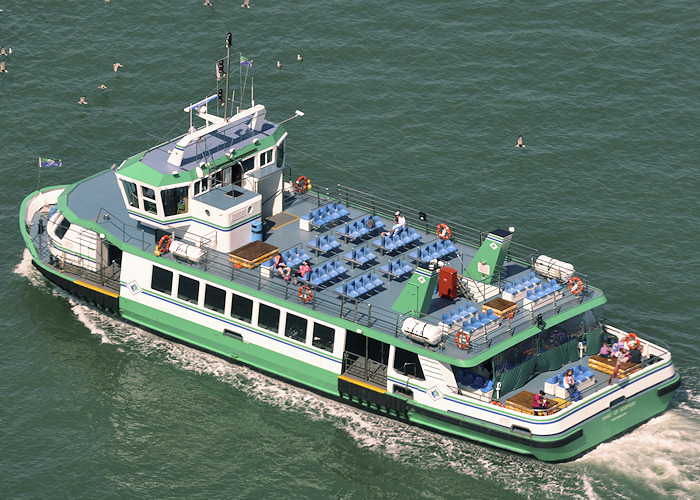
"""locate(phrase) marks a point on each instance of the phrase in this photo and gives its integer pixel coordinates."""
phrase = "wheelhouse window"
(242, 308)
(132, 198)
(214, 298)
(280, 155)
(269, 318)
(248, 164)
(188, 289)
(323, 337)
(295, 328)
(149, 200)
(175, 200)
(162, 280)
(62, 228)
(265, 157)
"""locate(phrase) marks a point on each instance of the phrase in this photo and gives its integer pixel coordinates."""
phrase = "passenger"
(283, 268)
(605, 351)
(394, 228)
(622, 354)
(634, 355)
(539, 402)
(302, 272)
(400, 219)
(570, 382)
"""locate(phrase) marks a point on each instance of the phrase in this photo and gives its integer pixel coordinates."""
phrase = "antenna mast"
(228, 68)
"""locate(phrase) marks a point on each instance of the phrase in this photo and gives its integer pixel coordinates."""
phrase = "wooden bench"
(522, 402)
(607, 365)
(253, 254)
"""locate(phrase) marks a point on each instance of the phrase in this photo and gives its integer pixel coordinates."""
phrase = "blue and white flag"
(48, 162)
(246, 62)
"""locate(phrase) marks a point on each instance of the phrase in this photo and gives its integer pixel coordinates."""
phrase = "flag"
(48, 162)
(246, 62)
(218, 73)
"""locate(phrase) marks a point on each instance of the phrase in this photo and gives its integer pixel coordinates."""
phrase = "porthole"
(207, 212)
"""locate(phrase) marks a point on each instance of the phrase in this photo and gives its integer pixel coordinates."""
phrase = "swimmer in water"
(520, 142)
(116, 66)
(82, 101)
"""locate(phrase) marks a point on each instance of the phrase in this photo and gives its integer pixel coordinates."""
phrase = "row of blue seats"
(555, 384)
(480, 320)
(434, 250)
(396, 268)
(360, 286)
(359, 228)
(326, 272)
(460, 314)
(401, 238)
(542, 291)
(328, 213)
(360, 255)
(519, 285)
(295, 256)
(476, 382)
(324, 243)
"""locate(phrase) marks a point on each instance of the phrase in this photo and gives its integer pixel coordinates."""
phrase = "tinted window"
(407, 362)
(323, 337)
(62, 228)
(242, 308)
(162, 280)
(188, 289)
(130, 191)
(214, 298)
(269, 318)
(295, 328)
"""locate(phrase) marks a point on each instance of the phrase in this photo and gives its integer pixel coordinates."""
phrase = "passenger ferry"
(430, 322)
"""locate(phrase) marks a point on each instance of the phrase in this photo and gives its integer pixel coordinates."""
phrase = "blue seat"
(449, 246)
(315, 278)
(405, 266)
(554, 285)
(475, 323)
(350, 290)
(342, 211)
(376, 281)
(446, 319)
(454, 316)
(534, 279)
(510, 289)
(378, 224)
(468, 378)
(490, 315)
(361, 290)
(367, 283)
(538, 292)
(471, 307)
(553, 380)
(531, 296)
(488, 387)
(413, 234)
(478, 382)
(441, 249)
(517, 285)
(462, 311)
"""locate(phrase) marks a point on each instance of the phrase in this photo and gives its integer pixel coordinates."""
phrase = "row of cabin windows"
(241, 308)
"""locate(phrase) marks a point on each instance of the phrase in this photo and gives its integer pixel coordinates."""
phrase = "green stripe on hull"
(574, 443)
(277, 364)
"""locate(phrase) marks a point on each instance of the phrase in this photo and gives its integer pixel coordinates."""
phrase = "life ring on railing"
(498, 403)
(576, 285)
(305, 293)
(163, 244)
(443, 231)
(632, 337)
(462, 339)
(302, 184)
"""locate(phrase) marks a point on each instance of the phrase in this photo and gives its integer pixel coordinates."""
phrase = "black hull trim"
(96, 297)
(669, 388)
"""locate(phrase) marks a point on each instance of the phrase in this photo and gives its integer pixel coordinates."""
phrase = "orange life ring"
(462, 339)
(576, 285)
(498, 403)
(305, 293)
(164, 244)
(633, 337)
(302, 184)
(443, 231)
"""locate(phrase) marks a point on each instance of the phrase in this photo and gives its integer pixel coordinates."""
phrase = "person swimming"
(520, 142)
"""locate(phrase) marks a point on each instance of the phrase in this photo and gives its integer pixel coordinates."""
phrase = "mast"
(228, 68)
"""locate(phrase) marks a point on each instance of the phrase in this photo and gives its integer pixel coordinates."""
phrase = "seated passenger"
(303, 272)
(394, 228)
(634, 355)
(539, 402)
(605, 351)
(570, 382)
(282, 267)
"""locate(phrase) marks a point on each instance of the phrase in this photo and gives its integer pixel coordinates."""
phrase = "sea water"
(417, 101)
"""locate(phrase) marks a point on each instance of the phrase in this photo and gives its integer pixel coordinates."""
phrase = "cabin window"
(162, 280)
(216, 179)
(280, 155)
(214, 298)
(130, 191)
(175, 200)
(62, 228)
(295, 328)
(269, 318)
(324, 337)
(242, 308)
(149, 197)
(197, 187)
(407, 363)
(188, 289)
(265, 157)
(248, 164)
